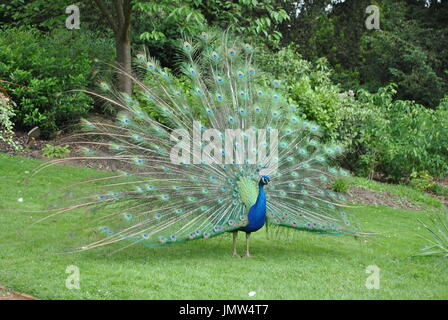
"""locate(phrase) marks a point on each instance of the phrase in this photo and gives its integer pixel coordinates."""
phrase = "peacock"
(215, 150)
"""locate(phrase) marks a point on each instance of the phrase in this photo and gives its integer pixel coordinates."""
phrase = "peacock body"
(196, 156)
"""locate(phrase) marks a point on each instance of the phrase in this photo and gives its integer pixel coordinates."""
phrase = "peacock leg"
(235, 234)
(247, 244)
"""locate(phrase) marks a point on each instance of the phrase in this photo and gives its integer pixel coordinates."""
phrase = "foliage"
(408, 49)
(437, 228)
(421, 180)
(393, 57)
(179, 14)
(439, 190)
(47, 15)
(394, 138)
(249, 17)
(308, 85)
(6, 125)
(319, 99)
(257, 18)
(381, 131)
(40, 13)
(340, 185)
(286, 64)
(51, 151)
(380, 134)
(159, 24)
(50, 65)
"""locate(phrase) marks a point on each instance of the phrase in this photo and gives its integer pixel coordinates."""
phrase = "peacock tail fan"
(186, 156)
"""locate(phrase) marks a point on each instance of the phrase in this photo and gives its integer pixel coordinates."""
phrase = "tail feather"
(156, 200)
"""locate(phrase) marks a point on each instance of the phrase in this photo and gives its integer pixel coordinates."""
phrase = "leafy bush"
(51, 65)
(421, 180)
(357, 132)
(340, 185)
(381, 135)
(404, 53)
(6, 125)
(307, 85)
(439, 190)
(394, 138)
(51, 151)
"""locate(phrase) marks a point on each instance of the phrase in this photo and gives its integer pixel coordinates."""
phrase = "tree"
(310, 27)
(158, 24)
(48, 15)
(42, 14)
(409, 51)
(253, 17)
(118, 15)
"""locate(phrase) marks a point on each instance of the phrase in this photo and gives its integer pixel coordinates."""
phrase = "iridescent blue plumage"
(256, 217)
(257, 213)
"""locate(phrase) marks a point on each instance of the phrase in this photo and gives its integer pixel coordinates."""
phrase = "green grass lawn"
(309, 266)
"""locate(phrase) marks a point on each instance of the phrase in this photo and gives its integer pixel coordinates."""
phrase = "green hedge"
(393, 138)
(51, 65)
(381, 135)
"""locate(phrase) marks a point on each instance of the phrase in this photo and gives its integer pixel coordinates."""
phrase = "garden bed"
(381, 198)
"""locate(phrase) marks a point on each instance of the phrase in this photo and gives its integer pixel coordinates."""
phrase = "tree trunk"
(123, 47)
(118, 15)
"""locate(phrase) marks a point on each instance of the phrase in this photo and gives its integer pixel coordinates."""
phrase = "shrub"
(6, 125)
(51, 151)
(360, 130)
(439, 190)
(421, 180)
(51, 65)
(307, 85)
(380, 135)
(340, 185)
(394, 138)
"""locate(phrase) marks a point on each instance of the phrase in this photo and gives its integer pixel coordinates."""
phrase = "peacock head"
(264, 180)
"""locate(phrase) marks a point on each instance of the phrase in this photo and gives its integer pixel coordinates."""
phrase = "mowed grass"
(308, 266)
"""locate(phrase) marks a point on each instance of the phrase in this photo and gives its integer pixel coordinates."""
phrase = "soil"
(29, 148)
(6, 294)
(444, 199)
(361, 195)
(443, 182)
(33, 148)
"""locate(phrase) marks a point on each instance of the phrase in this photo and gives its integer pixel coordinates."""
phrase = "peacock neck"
(261, 199)
(257, 213)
